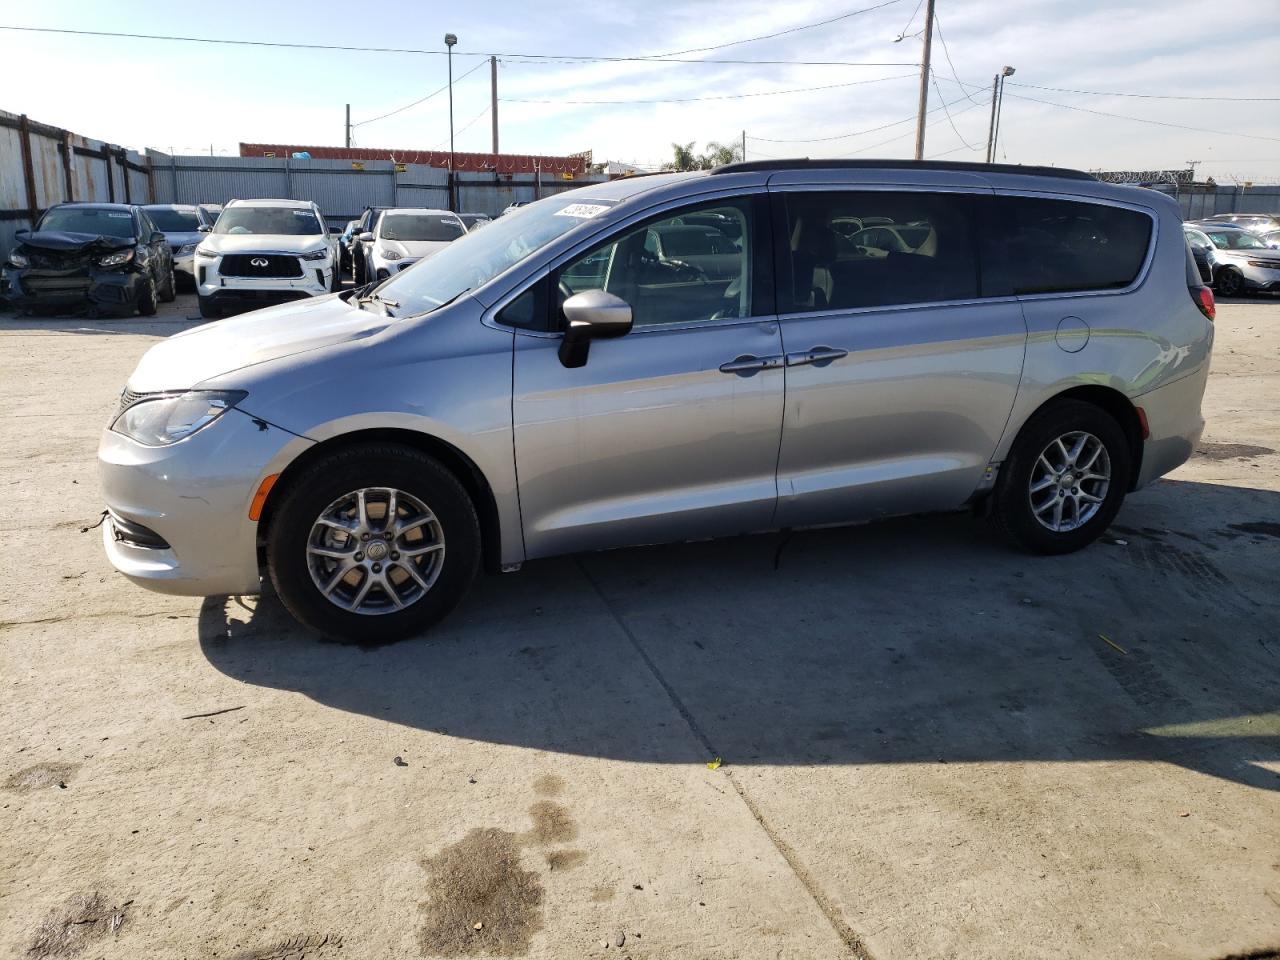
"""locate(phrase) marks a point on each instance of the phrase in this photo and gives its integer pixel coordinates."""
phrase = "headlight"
(203, 251)
(116, 259)
(389, 255)
(186, 250)
(18, 260)
(316, 254)
(164, 420)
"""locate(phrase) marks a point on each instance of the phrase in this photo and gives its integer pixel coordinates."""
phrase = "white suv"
(263, 252)
(405, 235)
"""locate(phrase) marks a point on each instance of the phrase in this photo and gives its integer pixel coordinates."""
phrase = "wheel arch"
(1113, 402)
(454, 460)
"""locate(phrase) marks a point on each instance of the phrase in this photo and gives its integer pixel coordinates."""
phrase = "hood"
(77, 242)
(1268, 254)
(263, 242)
(194, 356)
(180, 238)
(414, 248)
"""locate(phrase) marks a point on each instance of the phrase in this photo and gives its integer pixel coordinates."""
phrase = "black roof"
(804, 163)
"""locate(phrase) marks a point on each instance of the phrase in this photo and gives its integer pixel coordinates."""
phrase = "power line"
(912, 119)
(727, 96)
(1158, 123)
(781, 33)
(515, 57)
(433, 93)
(1143, 96)
(946, 52)
(947, 110)
(903, 34)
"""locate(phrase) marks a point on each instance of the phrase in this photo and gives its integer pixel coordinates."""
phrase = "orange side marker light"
(260, 498)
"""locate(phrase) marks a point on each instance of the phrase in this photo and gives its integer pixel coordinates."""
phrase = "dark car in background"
(184, 226)
(474, 221)
(100, 257)
(344, 245)
(1202, 251)
(360, 251)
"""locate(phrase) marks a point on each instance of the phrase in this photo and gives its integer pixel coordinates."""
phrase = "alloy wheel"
(1069, 481)
(375, 550)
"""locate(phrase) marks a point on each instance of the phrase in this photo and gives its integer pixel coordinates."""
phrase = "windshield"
(420, 226)
(281, 221)
(174, 221)
(99, 223)
(477, 258)
(1235, 240)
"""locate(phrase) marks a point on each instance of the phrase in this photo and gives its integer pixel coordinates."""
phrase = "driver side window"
(687, 267)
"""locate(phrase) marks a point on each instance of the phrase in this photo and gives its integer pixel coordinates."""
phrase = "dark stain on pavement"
(1230, 451)
(39, 776)
(75, 925)
(481, 900)
(1265, 528)
(551, 824)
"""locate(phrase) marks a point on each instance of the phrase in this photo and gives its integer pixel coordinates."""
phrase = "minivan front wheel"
(373, 543)
(1064, 479)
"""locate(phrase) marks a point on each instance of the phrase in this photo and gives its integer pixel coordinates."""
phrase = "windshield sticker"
(117, 216)
(302, 213)
(583, 211)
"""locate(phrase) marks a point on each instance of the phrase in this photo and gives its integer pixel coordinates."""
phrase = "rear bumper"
(178, 518)
(1175, 424)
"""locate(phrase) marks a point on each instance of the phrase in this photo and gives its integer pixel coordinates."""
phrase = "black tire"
(169, 291)
(1230, 282)
(383, 274)
(341, 473)
(147, 302)
(1013, 511)
(357, 269)
(208, 308)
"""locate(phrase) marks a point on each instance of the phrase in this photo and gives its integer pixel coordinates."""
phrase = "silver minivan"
(665, 358)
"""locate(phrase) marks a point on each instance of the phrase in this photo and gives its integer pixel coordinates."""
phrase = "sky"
(198, 97)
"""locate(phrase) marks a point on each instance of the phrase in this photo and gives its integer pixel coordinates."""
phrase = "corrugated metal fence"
(1197, 202)
(42, 165)
(341, 190)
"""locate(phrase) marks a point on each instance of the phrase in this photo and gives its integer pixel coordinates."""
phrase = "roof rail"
(804, 163)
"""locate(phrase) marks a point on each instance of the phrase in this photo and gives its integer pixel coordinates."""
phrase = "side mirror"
(335, 230)
(205, 228)
(157, 236)
(592, 315)
(366, 237)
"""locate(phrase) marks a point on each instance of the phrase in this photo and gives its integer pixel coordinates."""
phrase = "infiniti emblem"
(259, 261)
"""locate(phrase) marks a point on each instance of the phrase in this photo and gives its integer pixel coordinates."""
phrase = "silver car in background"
(555, 382)
(1243, 262)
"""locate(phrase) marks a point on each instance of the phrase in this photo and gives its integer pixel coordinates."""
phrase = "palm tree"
(684, 158)
(718, 154)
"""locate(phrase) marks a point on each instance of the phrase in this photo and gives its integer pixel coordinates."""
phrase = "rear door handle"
(818, 356)
(747, 365)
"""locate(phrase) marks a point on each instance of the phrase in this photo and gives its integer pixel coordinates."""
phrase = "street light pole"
(999, 106)
(449, 41)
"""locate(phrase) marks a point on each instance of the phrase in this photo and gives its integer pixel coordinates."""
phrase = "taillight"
(1203, 297)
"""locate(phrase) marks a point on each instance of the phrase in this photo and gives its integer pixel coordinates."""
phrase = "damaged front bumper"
(79, 287)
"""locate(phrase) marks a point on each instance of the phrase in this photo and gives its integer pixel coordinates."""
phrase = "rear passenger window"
(1033, 245)
(877, 249)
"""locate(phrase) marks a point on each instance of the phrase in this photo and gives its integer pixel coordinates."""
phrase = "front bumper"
(29, 287)
(194, 496)
(315, 281)
(185, 266)
(1260, 278)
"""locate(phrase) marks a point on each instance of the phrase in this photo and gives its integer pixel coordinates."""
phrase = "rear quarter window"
(1035, 245)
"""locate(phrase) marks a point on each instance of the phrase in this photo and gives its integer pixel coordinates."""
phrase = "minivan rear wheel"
(373, 543)
(1065, 478)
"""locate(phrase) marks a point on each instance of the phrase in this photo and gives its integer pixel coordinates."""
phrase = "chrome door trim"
(817, 356)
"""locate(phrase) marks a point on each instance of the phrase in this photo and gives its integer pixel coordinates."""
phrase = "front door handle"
(748, 365)
(818, 356)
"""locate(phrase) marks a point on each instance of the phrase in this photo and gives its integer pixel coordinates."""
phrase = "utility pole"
(449, 41)
(924, 78)
(493, 99)
(348, 126)
(744, 144)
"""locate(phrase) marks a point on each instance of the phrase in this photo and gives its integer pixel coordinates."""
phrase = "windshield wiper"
(386, 302)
